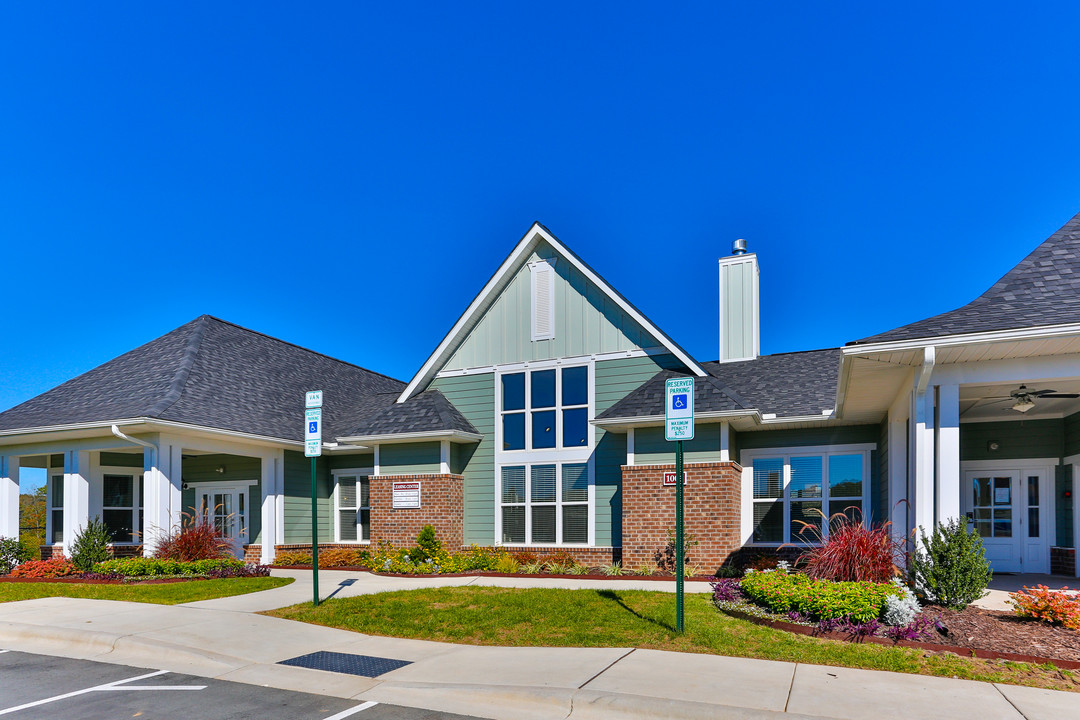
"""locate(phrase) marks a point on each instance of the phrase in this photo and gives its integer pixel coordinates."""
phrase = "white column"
(270, 499)
(948, 453)
(899, 512)
(162, 499)
(76, 495)
(279, 507)
(630, 446)
(9, 496)
(376, 469)
(444, 457)
(923, 461)
(725, 442)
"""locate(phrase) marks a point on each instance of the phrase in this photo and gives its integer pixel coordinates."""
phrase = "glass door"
(992, 501)
(225, 508)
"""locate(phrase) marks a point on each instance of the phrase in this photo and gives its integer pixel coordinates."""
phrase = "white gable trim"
(535, 234)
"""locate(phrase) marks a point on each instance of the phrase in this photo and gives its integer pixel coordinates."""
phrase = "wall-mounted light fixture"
(992, 446)
(220, 470)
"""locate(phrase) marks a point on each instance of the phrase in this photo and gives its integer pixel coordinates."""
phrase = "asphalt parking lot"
(42, 686)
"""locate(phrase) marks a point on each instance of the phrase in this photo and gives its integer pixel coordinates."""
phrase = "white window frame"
(559, 503)
(358, 473)
(51, 475)
(542, 273)
(136, 475)
(557, 455)
(747, 458)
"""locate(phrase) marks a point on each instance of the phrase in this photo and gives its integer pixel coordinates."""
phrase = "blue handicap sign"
(313, 427)
(678, 402)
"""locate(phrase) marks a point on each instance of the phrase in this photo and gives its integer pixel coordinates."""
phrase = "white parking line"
(106, 686)
(353, 710)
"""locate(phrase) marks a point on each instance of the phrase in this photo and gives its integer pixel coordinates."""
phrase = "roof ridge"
(300, 347)
(183, 371)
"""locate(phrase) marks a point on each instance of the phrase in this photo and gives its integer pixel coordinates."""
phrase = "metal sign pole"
(679, 544)
(314, 538)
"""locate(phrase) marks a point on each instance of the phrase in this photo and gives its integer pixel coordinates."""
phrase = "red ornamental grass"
(197, 539)
(853, 552)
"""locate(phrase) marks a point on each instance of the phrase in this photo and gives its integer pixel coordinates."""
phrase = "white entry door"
(1010, 509)
(992, 500)
(226, 509)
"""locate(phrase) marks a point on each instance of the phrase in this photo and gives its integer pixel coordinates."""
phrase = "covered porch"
(144, 485)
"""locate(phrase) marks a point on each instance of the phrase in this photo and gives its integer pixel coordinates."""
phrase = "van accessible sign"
(679, 409)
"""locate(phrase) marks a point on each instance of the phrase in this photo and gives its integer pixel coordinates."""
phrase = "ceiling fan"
(1024, 399)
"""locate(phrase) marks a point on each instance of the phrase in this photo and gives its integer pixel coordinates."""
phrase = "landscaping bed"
(487, 573)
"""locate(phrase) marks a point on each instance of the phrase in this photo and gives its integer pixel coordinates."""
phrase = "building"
(537, 423)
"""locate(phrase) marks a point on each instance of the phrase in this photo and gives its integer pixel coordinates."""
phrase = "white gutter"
(1038, 333)
(137, 441)
(452, 435)
(649, 420)
(927, 369)
(149, 421)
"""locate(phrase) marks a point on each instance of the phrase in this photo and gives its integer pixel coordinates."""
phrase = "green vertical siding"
(1072, 435)
(737, 286)
(203, 469)
(409, 458)
(474, 397)
(586, 322)
(615, 379)
(1063, 506)
(1016, 439)
(298, 497)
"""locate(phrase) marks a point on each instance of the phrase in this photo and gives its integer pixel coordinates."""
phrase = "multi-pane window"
(545, 503)
(56, 509)
(545, 409)
(992, 506)
(121, 506)
(353, 508)
(793, 494)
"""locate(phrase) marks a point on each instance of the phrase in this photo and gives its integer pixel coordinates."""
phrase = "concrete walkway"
(997, 594)
(223, 639)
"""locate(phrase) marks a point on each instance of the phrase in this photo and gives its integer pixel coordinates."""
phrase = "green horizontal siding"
(298, 497)
(114, 459)
(1072, 435)
(409, 458)
(1063, 506)
(650, 447)
(1015, 439)
(351, 462)
(809, 437)
(474, 397)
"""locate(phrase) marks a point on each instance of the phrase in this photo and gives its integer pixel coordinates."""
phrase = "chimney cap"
(738, 247)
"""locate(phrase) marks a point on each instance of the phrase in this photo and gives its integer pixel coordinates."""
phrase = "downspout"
(137, 441)
(154, 452)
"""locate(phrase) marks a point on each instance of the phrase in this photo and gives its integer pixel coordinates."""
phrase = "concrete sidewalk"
(211, 640)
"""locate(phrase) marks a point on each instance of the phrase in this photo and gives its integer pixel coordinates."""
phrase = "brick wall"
(712, 498)
(119, 551)
(442, 505)
(594, 557)
(1063, 561)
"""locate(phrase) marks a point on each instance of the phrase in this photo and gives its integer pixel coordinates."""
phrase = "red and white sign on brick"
(669, 479)
(406, 495)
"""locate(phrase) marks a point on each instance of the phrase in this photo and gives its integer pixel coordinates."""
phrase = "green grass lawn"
(606, 618)
(161, 594)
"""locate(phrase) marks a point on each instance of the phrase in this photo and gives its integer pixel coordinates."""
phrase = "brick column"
(442, 505)
(712, 512)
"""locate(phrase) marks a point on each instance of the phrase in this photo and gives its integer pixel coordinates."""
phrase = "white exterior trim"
(447, 435)
(1035, 333)
(574, 359)
(367, 472)
(536, 234)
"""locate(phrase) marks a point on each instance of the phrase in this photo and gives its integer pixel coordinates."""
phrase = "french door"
(1008, 508)
(226, 509)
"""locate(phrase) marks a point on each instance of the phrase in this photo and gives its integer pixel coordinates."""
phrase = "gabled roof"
(212, 373)
(798, 384)
(428, 412)
(1043, 289)
(490, 292)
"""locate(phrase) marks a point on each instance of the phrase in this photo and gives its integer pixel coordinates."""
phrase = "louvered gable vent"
(543, 300)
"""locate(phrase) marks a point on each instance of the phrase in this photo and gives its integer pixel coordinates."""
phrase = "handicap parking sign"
(313, 427)
(678, 402)
(679, 409)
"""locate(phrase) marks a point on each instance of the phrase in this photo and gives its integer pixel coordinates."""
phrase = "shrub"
(158, 567)
(819, 599)
(91, 545)
(901, 609)
(950, 567)
(56, 567)
(428, 545)
(533, 568)
(726, 590)
(506, 564)
(665, 556)
(1053, 606)
(524, 557)
(562, 559)
(195, 539)
(12, 552)
(293, 557)
(613, 569)
(852, 552)
(333, 557)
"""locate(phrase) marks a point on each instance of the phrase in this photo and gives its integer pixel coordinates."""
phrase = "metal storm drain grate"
(365, 665)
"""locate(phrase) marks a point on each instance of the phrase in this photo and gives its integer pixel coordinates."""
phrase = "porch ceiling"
(992, 402)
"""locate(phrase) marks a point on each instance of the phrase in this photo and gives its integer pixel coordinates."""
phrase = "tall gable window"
(543, 299)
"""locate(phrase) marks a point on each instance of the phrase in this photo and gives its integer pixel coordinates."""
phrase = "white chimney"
(740, 335)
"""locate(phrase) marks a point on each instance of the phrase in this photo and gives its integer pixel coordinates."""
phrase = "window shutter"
(543, 301)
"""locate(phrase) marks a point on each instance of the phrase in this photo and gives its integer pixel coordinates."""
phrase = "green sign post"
(313, 449)
(679, 426)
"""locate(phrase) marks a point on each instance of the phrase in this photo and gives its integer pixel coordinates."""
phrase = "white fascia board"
(11, 437)
(1043, 332)
(623, 424)
(458, 436)
(512, 262)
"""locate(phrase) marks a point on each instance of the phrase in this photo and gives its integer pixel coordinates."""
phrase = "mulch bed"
(973, 632)
(481, 573)
(81, 581)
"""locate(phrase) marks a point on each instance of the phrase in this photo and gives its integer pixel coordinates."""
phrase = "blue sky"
(346, 176)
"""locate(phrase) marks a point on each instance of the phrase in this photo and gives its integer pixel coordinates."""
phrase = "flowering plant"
(1052, 606)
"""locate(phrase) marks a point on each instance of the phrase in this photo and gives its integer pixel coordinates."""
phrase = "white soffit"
(501, 279)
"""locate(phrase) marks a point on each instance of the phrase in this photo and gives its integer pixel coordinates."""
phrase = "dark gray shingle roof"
(212, 373)
(429, 411)
(787, 384)
(1043, 289)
